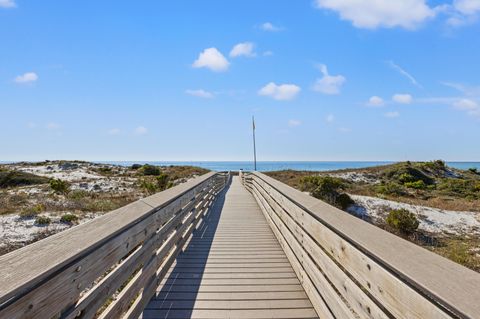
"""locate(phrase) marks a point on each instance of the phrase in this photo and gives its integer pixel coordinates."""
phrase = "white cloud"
(467, 7)
(243, 49)
(114, 131)
(200, 93)
(141, 130)
(375, 101)
(294, 123)
(392, 114)
(402, 98)
(267, 53)
(7, 4)
(330, 118)
(465, 104)
(267, 26)
(404, 73)
(28, 77)
(212, 59)
(372, 14)
(280, 92)
(328, 84)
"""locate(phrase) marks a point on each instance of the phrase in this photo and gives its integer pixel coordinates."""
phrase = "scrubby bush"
(327, 188)
(406, 173)
(456, 187)
(402, 220)
(474, 170)
(150, 170)
(59, 186)
(148, 186)
(390, 188)
(136, 166)
(162, 181)
(435, 165)
(344, 201)
(17, 178)
(32, 211)
(69, 218)
(43, 220)
(416, 185)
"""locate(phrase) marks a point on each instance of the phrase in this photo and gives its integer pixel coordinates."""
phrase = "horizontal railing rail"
(352, 269)
(110, 266)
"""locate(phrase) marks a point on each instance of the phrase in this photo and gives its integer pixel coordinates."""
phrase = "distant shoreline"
(268, 166)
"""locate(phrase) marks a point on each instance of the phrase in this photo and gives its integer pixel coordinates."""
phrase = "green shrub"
(17, 178)
(406, 178)
(403, 221)
(404, 173)
(344, 201)
(59, 186)
(416, 185)
(327, 188)
(150, 170)
(43, 220)
(474, 170)
(135, 166)
(162, 181)
(390, 188)
(102, 205)
(32, 211)
(69, 218)
(148, 186)
(456, 187)
(435, 165)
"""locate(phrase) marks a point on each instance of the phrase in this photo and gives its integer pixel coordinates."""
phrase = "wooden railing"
(352, 269)
(108, 267)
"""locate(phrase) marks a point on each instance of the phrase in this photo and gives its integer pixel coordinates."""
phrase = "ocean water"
(265, 166)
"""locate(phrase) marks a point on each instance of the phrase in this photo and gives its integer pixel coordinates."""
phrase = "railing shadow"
(180, 290)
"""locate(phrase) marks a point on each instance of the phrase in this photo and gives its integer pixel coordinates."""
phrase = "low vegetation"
(11, 178)
(431, 184)
(65, 193)
(327, 188)
(403, 221)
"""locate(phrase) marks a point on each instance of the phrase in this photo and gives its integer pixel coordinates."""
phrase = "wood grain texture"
(233, 267)
(405, 279)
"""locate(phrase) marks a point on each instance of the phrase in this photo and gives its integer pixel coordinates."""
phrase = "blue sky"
(180, 80)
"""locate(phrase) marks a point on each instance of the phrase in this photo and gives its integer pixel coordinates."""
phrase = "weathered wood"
(58, 276)
(390, 271)
(231, 259)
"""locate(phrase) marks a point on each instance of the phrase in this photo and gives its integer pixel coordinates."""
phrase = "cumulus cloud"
(328, 84)
(200, 93)
(294, 123)
(369, 14)
(141, 130)
(280, 92)
(402, 98)
(375, 101)
(268, 26)
(28, 77)
(243, 49)
(392, 114)
(467, 7)
(330, 118)
(211, 59)
(7, 4)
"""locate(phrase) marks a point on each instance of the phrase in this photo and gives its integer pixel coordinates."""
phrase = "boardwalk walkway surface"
(233, 267)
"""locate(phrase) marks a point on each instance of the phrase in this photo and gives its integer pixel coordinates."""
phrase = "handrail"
(352, 269)
(110, 266)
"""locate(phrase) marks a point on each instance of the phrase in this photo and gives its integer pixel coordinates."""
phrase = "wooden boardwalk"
(233, 267)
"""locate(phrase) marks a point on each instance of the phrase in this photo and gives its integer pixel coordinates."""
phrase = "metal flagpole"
(254, 148)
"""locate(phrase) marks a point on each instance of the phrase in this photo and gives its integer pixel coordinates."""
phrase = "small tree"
(59, 186)
(403, 220)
